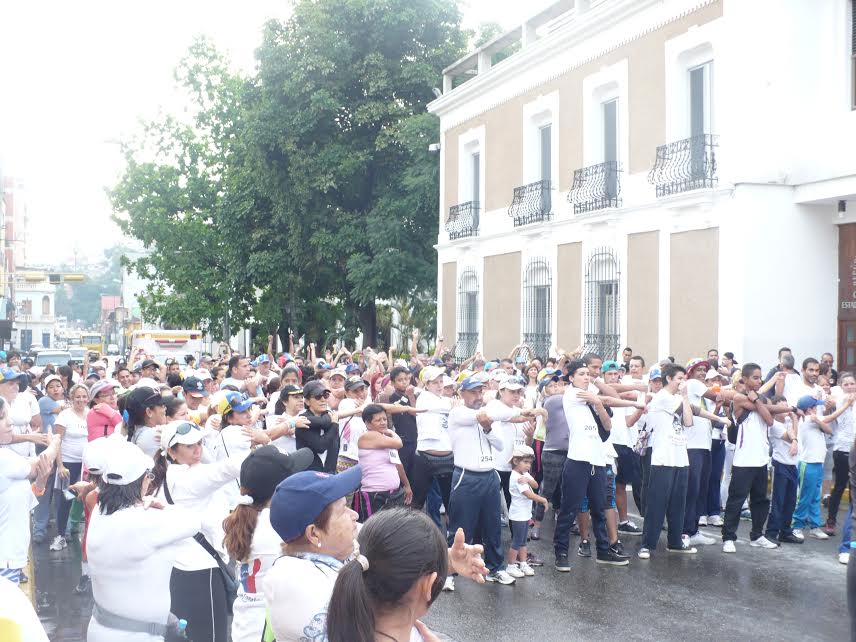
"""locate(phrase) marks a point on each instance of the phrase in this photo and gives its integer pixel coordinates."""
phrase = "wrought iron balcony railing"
(465, 347)
(603, 345)
(685, 165)
(532, 203)
(463, 220)
(596, 187)
(539, 342)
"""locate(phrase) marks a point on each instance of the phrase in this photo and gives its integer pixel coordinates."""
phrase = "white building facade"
(35, 320)
(672, 175)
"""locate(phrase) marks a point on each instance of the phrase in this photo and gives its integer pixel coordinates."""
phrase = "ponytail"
(239, 528)
(159, 471)
(349, 615)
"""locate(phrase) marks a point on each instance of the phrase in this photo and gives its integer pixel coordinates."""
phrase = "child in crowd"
(522, 486)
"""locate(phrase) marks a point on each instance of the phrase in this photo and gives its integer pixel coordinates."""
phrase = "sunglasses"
(150, 475)
(183, 429)
(323, 395)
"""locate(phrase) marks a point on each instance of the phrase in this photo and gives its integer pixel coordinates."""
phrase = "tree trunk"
(367, 315)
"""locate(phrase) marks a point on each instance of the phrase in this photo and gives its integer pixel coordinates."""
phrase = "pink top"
(102, 422)
(379, 473)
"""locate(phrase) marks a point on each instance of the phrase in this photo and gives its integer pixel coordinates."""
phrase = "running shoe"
(629, 528)
(763, 542)
(584, 549)
(500, 577)
(58, 543)
(562, 563)
(729, 547)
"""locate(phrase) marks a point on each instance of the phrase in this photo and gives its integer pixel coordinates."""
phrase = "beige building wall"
(450, 289)
(501, 321)
(693, 317)
(503, 154)
(449, 149)
(643, 292)
(569, 283)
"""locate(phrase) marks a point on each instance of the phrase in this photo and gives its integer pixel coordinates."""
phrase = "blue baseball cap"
(351, 367)
(807, 401)
(654, 373)
(302, 497)
(233, 402)
(8, 374)
(609, 366)
(471, 383)
(262, 358)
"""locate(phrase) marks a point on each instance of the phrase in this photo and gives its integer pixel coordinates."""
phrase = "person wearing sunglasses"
(131, 548)
(322, 436)
(196, 587)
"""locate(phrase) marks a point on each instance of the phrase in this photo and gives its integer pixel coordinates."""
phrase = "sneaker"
(39, 538)
(83, 585)
(763, 542)
(844, 558)
(829, 528)
(503, 520)
(629, 528)
(797, 532)
(535, 534)
(825, 501)
(618, 547)
(562, 563)
(514, 571)
(534, 560)
(610, 556)
(686, 549)
(746, 515)
(527, 570)
(702, 521)
(714, 520)
(700, 539)
(644, 554)
(449, 585)
(790, 538)
(729, 547)
(500, 577)
(818, 533)
(585, 549)
(58, 543)
(575, 530)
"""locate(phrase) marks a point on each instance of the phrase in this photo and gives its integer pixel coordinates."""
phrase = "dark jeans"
(646, 477)
(552, 463)
(425, 470)
(697, 480)
(580, 479)
(200, 598)
(665, 501)
(433, 503)
(784, 500)
(63, 505)
(42, 512)
(474, 506)
(407, 453)
(751, 482)
(629, 471)
(717, 465)
(504, 481)
(841, 475)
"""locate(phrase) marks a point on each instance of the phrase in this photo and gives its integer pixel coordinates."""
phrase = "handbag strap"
(204, 543)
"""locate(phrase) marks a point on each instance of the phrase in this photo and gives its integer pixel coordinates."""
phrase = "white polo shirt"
(474, 449)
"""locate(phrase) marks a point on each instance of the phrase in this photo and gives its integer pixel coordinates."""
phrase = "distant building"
(35, 314)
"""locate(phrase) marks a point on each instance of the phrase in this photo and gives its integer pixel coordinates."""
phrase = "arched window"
(537, 306)
(468, 314)
(46, 306)
(602, 309)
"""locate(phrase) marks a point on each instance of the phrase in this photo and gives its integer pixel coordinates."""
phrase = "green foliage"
(82, 301)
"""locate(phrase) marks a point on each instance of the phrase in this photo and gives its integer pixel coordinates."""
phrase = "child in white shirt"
(522, 487)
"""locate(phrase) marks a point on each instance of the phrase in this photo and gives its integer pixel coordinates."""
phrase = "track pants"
(200, 598)
(697, 481)
(746, 481)
(807, 513)
(475, 506)
(783, 502)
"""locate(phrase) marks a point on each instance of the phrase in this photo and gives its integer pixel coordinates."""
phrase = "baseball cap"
(301, 498)
(233, 402)
(126, 464)
(290, 390)
(498, 374)
(149, 363)
(692, 364)
(472, 383)
(137, 366)
(547, 380)
(92, 374)
(352, 367)
(267, 466)
(3, 355)
(144, 397)
(339, 372)
(807, 401)
(28, 360)
(430, 373)
(609, 366)
(204, 375)
(50, 379)
(521, 450)
(711, 374)
(105, 385)
(448, 381)
(194, 387)
(512, 383)
(355, 383)
(262, 358)
(180, 432)
(96, 453)
(654, 373)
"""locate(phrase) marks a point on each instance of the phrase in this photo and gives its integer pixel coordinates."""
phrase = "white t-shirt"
(699, 434)
(753, 446)
(297, 592)
(781, 448)
(846, 432)
(352, 427)
(248, 621)
(285, 443)
(812, 442)
(18, 619)
(521, 507)
(432, 425)
(118, 546)
(668, 434)
(21, 413)
(473, 448)
(511, 434)
(76, 434)
(584, 442)
(16, 502)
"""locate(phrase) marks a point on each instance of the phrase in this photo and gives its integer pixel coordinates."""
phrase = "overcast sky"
(78, 76)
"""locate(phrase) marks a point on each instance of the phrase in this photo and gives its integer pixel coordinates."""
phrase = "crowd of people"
(243, 484)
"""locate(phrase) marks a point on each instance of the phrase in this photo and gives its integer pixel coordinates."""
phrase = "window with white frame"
(602, 303)
(533, 201)
(468, 314)
(537, 306)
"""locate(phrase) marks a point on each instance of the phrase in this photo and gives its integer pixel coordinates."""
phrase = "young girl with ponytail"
(250, 539)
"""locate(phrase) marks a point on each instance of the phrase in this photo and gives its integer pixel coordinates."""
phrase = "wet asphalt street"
(796, 592)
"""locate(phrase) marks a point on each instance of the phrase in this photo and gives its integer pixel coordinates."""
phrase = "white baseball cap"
(522, 450)
(96, 453)
(126, 464)
(512, 383)
(180, 432)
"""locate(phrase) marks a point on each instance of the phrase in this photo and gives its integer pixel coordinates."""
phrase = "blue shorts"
(610, 492)
(519, 534)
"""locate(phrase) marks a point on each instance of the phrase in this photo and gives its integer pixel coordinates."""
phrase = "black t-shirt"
(404, 423)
